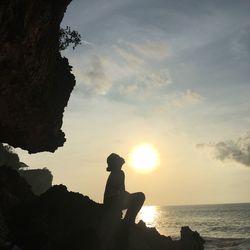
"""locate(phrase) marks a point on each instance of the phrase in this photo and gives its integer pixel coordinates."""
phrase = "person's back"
(114, 186)
(115, 195)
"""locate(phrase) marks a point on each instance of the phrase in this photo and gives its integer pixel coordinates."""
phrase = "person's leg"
(113, 205)
(134, 204)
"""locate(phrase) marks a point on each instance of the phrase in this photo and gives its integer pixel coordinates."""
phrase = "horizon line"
(198, 204)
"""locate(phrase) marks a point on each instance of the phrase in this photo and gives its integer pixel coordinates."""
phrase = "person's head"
(115, 162)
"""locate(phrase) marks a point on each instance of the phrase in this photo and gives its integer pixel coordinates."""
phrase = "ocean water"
(225, 226)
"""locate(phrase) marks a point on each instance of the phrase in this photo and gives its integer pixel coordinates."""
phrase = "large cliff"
(35, 80)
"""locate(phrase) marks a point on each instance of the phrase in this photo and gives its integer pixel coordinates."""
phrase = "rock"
(40, 180)
(35, 81)
(58, 219)
(3, 230)
(141, 237)
(191, 240)
(151, 238)
(62, 220)
(13, 191)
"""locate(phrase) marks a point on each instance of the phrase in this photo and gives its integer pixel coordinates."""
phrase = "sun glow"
(148, 214)
(144, 158)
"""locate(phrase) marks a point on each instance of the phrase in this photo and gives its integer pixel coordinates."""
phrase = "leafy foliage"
(67, 37)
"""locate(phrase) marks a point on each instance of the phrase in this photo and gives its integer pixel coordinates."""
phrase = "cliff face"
(35, 81)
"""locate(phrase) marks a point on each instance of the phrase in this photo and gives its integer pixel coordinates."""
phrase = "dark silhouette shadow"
(116, 198)
(63, 220)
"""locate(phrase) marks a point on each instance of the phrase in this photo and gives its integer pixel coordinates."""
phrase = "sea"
(223, 226)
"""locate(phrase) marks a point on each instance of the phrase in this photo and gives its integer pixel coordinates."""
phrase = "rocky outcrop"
(13, 191)
(40, 180)
(35, 81)
(58, 219)
(62, 220)
(8, 157)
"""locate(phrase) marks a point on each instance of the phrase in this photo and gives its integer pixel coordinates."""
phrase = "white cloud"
(188, 97)
(86, 43)
(124, 75)
(150, 49)
(122, 72)
(127, 56)
(138, 76)
(237, 150)
(94, 79)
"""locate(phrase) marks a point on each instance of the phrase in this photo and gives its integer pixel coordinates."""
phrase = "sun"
(144, 158)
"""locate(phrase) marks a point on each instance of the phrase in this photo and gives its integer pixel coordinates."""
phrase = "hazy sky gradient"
(171, 73)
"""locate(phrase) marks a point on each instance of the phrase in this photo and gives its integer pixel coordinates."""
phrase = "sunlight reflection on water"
(224, 225)
(148, 214)
(218, 221)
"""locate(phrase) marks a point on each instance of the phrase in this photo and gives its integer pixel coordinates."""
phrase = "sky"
(174, 74)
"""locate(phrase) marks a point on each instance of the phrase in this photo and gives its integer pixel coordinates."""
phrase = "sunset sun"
(144, 158)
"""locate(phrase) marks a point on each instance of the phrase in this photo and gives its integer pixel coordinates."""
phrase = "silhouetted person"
(115, 196)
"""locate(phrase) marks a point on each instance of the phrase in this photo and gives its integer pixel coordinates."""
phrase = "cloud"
(94, 79)
(151, 49)
(86, 43)
(175, 100)
(188, 97)
(237, 150)
(240, 44)
(122, 73)
(128, 56)
(144, 73)
(132, 73)
(144, 82)
(141, 72)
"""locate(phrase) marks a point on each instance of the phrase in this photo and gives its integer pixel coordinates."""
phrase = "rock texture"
(63, 220)
(13, 191)
(40, 180)
(35, 81)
